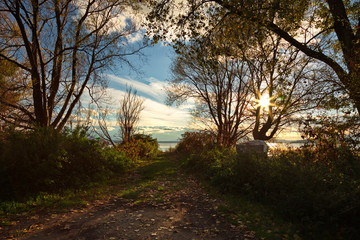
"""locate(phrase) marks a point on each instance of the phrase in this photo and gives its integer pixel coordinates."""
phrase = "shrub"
(330, 137)
(116, 161)
(317, 194)
(195, 142)
(31, 161)
(197, 149)
(44, 160)
(140, 146)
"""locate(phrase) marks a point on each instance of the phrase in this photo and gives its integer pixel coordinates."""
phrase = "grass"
(258, 218)
(254, 216)
(148, 175)
(130, 194)
(161, 167)
(57, 202)
(151, 174)
(123, 186)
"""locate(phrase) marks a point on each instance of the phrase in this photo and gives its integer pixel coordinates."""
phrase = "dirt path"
(161, 203)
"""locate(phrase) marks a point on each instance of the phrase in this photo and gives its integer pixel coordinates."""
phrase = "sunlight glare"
(264, 101)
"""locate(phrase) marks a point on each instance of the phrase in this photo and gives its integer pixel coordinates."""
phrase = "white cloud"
(162, 129)
(138, 36)
(122, 18)
(155, 113)
(154, 88)
(158, 114)
(111, 129)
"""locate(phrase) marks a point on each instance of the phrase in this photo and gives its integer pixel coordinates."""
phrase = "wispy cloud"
(155, 113)
(159, 114)
(152, 88)
(158, 119)
(162, 129)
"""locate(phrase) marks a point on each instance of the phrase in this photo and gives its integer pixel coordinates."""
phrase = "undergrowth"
(316, 191)
(43, 168)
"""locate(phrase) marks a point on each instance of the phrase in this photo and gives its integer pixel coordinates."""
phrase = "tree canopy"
(62, 46)
(326, 31)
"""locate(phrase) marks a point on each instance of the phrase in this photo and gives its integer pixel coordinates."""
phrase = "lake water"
(166, 145)
(287, 144)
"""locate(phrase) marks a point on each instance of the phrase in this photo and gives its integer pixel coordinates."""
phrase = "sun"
(264, 101)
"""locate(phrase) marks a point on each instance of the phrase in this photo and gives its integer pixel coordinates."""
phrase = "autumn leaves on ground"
(155, 201)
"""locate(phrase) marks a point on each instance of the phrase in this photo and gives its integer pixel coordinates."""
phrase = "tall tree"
(300, 23)
(220, 86)
(62, 46)
(131, 106)
(285, 82)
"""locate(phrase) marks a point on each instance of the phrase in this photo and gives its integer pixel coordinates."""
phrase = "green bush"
(317, 194)
(197, 149)
(116, 161)
(195, 143)
(140, 146)
(44, 160)
(31, 162)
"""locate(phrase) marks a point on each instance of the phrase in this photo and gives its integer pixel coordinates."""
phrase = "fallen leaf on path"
(66, 227)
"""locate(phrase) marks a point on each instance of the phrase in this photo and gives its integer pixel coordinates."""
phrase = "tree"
(220, 86)
(268, 68)
(129, 112)
(102, 122)
(62, 46)
(300, 23)
(285, 82)
(12, 89)
(6, 71)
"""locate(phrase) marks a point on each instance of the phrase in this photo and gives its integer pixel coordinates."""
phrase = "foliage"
(318, 195)
(11, 88)
(44, 160)
(116, 161)
(328, 134)
(327, 31)
(139, 147)
(195, 142)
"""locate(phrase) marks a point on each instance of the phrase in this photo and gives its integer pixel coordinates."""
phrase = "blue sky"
(166, 123)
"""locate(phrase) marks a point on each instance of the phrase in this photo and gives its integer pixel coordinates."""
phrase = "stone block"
(257, 147)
